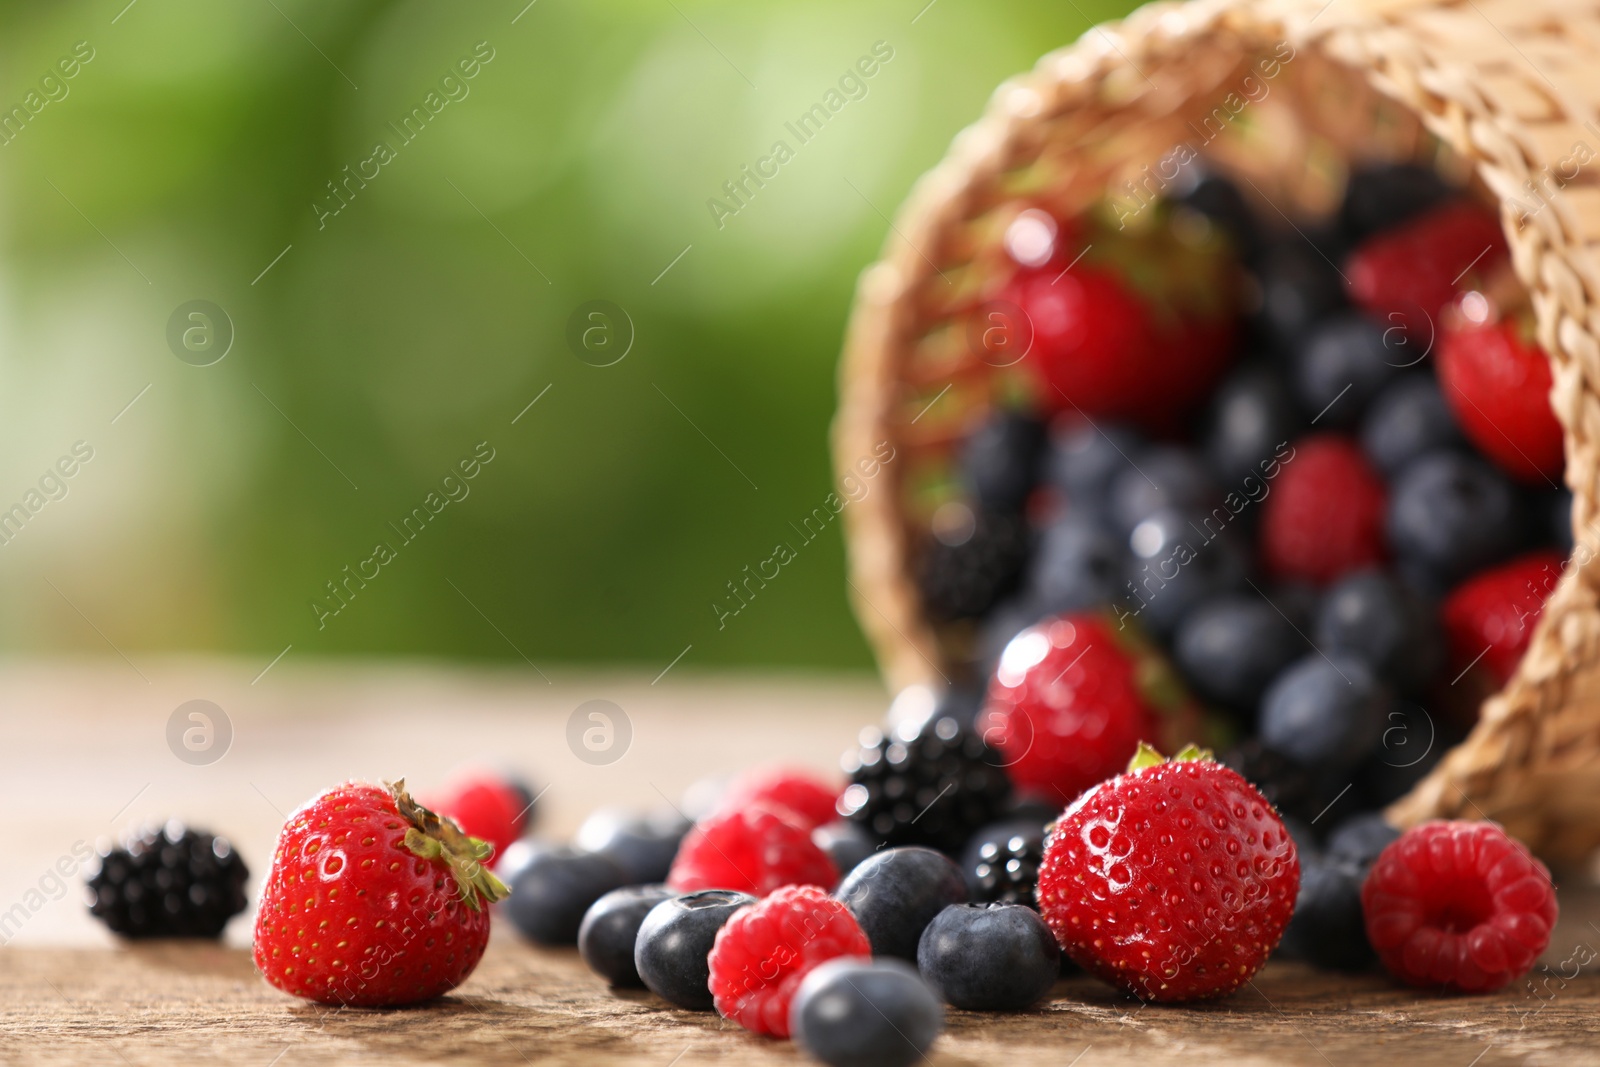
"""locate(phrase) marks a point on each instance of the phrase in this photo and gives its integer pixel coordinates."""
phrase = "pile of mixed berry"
(1288, 494)
(1293, 490)
(1174, 881)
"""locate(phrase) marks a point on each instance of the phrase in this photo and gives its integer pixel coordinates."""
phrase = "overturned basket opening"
(1286, 101)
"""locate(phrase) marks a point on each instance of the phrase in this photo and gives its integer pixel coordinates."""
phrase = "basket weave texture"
(1501, 94)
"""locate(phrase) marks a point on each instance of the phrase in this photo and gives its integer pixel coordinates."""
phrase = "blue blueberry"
(1386, 194)
(1409, 418)
(642, 845)
(674, 941)
(1252, 413)
(1300, 287)
(1231, 648)
(989, 957)
(1078, 564)
(1325, 712)
(518, 855)
(1000, 460)
(846, 843)
(1167, 477)
(1303, 836)
(1084, 459)
(1179, 560)
(1342, 366)
(1451, 514)
(853, 1012)
(610, 930)
(895, 894)
(550, 895)
(1328, 928)
(1358, 839)
(1373, 616)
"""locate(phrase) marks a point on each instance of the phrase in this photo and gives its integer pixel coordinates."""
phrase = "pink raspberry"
(753, 849)
(1459, 906)
(763, 952)
(806, 793)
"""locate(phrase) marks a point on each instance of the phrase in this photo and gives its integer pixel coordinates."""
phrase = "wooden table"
(87, 753)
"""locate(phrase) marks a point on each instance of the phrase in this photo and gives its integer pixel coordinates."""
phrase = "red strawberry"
(1070, 701)
(808, 795)
(1489, 618)
(1405, 276)
(1138, 326)
(1324, 514)
(754, 849)
(373, 900)
(485, 806)
(1496, 380)
(1173, 881)
(1458, 906)
(1094, 343)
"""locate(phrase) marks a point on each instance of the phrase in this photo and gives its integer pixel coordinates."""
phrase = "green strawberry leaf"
(435, 837)
(1148, 756)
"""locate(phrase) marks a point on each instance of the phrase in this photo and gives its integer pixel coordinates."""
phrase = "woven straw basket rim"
(1506, 89)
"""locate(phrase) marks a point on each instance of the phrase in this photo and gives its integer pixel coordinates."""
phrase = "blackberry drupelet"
(168, 881)
(932, 783)
(1006, 870)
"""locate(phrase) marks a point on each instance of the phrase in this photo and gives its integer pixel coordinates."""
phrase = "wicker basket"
(1499, 93)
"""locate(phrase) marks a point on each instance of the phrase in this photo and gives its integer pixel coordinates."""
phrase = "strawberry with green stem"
(1173, 881)
(373, 900)
(1133, 323)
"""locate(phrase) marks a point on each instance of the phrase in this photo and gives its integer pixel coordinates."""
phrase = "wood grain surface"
(86, 740)
(166, 1004)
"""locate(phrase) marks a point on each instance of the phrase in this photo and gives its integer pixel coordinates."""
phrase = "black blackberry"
(1290, 786)
(932, 783)
(1360, 838)
(168, 881)
(1001, 863)
(971, 563)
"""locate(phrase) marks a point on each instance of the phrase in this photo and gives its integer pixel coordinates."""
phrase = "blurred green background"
(373, 348)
